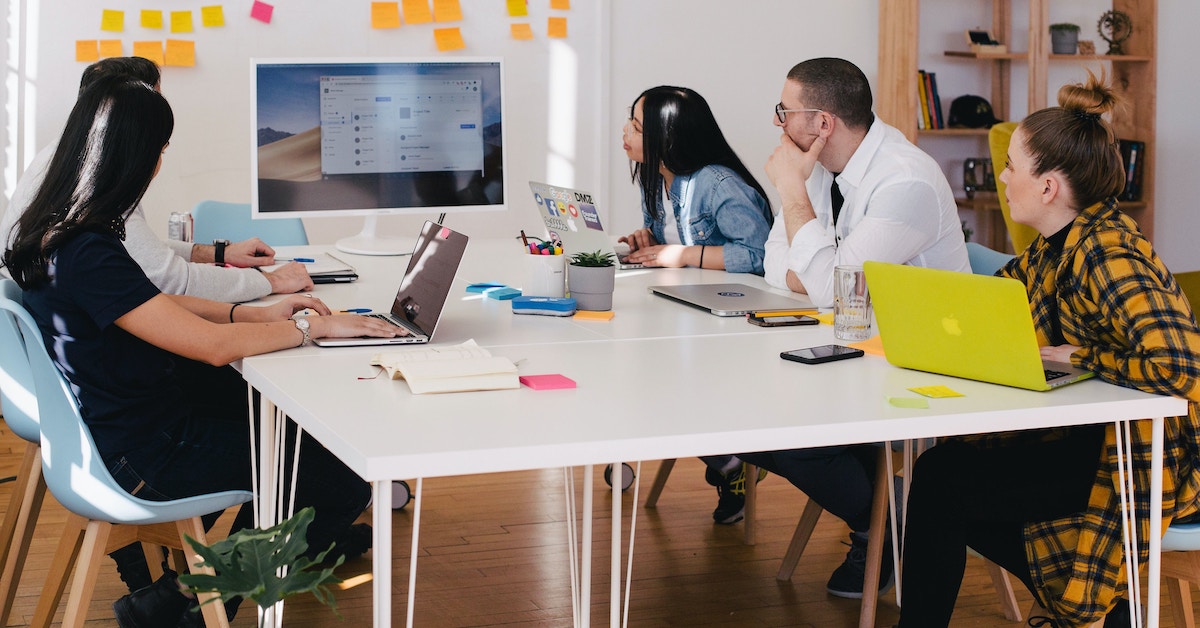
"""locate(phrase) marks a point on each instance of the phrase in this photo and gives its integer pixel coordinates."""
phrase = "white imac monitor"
(370, 137)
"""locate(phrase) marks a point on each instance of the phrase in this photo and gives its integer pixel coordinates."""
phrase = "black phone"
(780, 321)
(824, 353)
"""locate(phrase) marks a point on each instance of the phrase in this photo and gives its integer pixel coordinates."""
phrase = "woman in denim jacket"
(700, 205)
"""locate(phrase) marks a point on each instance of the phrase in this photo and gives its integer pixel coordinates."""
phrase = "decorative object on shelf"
(972, 112)
(1063, 38)
(978, 176)
(983, 42)
(1114, 27)
(1087, 47)
(591, 279)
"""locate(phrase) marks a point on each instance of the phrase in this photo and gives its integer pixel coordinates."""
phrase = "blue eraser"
(501, 294)
(484, 286)
(545, 306)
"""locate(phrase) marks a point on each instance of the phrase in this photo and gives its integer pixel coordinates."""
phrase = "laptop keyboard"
(387, 318)
(1053, 375)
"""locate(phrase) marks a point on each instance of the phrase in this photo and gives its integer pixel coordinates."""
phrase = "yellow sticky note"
(417, 12)
(86, 50)
(181, 21)
(448, 39)
(936, 392)
(522, 31)
(212, 16)
(152, 50)
(111, 48)
(112, 21)
(872, 345)
(908, 402)
(447, 11)
(385, 15)
(518, 8)
(151, 18)
(826, 318)
(560, 5)
(556, 27)
(181, 52)
(593, 315)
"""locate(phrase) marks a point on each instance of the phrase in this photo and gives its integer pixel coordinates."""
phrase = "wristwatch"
(219, 251)
(302, 325)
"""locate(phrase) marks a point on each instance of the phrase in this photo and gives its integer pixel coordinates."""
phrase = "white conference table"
(685, 371)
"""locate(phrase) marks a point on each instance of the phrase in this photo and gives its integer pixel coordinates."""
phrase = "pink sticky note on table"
(262, 11)
(547, 382)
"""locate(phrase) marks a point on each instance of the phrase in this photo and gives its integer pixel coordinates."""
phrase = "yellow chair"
(1189, 282)
(998, 139)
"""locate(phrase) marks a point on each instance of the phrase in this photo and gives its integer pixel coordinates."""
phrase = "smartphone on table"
(822, 354)
(768, 320)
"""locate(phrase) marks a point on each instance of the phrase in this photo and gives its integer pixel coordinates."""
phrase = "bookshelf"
(1134, 75)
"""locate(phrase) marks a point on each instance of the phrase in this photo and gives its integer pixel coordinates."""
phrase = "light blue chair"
(20, 413)
(985, 261)
(103, 516)
(213, 220)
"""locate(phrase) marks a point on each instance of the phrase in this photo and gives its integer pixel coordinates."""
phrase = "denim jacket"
(715, 207)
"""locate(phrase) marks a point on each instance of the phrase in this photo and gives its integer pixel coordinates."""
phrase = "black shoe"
(731, 493)
(158, 605)
(354, 542)
(194, 618)
(847, 579)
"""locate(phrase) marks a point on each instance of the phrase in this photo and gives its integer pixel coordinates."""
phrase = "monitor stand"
(367, 242)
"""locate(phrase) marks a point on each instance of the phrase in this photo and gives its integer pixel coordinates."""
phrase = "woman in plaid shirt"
(1044, 504)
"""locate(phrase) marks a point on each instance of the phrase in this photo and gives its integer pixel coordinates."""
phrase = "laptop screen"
(431, 270)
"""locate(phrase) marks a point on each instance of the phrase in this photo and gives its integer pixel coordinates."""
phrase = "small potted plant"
(591, 280)
(1064, 38)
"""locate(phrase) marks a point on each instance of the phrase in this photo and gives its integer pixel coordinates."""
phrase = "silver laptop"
(571, 217)
(423, 291)
(732, 299)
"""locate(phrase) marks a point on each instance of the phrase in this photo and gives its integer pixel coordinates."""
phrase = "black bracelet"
(701, 265)
(231, 311)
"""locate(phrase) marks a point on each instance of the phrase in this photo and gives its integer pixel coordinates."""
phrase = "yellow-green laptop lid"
(973, 326)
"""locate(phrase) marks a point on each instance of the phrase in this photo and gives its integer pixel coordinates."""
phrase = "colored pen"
(305, 260)
(355, 310)
(784, 313)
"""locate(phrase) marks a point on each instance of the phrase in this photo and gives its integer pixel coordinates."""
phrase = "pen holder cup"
(545, 276)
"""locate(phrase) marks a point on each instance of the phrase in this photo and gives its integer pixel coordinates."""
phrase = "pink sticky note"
(547, 382)
(262, 11)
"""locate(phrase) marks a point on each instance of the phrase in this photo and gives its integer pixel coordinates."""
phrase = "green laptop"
(971, 326)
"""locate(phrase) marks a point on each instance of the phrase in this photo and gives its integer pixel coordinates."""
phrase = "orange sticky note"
(152, 50)
(110, 48)
(181, 21)
(518, 8)
(556, 27)
(181, 52)
(447, 11)
(86, 50)
(417, 12)
(521, 31)
(151, 18)
(592, 315)
(385, 15)
(112, 21)
(560, 5)
(262, 11)
(448, 39)
(212, 16)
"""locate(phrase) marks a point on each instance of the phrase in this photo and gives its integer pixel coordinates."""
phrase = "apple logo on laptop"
(950, 324)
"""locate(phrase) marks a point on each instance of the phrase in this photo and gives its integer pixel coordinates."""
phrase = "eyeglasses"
(781, 113)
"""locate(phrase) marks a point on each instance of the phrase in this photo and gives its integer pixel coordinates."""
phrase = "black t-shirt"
(126, 387)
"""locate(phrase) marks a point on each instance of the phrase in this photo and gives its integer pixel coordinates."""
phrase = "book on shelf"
(936, 100)
(930, 110)
(923, 100)
(457, 368)
(1133, 154)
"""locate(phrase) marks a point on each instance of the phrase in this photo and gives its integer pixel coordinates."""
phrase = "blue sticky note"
(502, 294)
(484, 287)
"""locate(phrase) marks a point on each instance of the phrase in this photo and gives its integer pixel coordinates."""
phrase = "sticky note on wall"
(152, 18)
(518, 8)
(87, 51)
(112, 21)
(385, 15)
(448, 39)
(447, 11)
(111, 48)
(560, 5)
(212, 16)
(417, 12)
(556, 27)
(521, 31)
(181, 22)
(152, 50)
(262, 11)
(180, 52)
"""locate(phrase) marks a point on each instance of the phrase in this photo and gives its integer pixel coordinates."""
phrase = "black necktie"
(836, 195)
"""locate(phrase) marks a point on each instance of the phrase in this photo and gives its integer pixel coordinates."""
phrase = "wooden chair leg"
(60, 569)
(804, 529)
(660, 481)
(1180, 593)
(87, 569)
(750, 530)
(1003, 586)
(17, 532)
(875, 542)
(214, 612)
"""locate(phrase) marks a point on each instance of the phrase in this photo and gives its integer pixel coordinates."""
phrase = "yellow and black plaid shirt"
(1113, 298)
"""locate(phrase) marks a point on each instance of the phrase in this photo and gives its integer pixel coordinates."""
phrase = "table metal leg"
(585, 571)
(1156, 484)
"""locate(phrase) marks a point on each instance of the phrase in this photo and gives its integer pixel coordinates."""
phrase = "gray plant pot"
(1064, 42)
(592, 286)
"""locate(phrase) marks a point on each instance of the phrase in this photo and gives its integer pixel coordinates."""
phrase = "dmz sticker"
(561, 213)
(731, 294)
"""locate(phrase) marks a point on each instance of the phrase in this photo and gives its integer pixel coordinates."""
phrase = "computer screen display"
(376, 136)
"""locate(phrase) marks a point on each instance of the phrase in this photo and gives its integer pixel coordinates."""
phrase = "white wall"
(567, 100)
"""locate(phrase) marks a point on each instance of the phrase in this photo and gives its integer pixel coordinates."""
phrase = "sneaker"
(847, 579)
(731, 493)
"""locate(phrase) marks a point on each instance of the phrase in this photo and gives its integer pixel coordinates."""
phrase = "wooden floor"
(494, 553)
